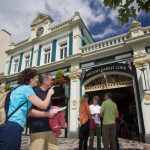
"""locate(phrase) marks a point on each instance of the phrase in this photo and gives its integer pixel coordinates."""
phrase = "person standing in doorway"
(95, 112)
(42, 138)
(84, 115)
(109, 112)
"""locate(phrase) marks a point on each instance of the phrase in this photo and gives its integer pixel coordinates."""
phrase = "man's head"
(46, 80)
(95, 100)
(108, 96)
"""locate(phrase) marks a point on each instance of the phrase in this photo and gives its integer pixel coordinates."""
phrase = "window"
(63, 50)
(16, 65)
(47, 55)
(27, 61)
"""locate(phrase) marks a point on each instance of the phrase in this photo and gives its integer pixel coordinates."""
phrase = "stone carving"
(74, 104)
(139, 54)
(75, 73)
(147, 98)
(141, 62)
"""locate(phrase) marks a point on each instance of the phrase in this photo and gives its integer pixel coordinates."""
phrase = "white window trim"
(16, 65)
(63, 47)
(46, 53)
(25, 59)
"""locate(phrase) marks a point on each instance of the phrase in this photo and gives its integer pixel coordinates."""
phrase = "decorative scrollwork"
(75, 73)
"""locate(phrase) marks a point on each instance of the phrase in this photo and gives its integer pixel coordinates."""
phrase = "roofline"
(6, 31)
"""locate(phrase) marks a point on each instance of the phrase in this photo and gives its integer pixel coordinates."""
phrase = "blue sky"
(17, 15)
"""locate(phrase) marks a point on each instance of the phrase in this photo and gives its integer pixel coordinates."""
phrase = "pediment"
(40, 18)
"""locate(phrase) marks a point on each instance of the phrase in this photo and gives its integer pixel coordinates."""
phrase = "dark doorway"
(124, 98)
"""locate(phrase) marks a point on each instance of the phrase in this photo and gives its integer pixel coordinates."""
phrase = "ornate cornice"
(141, 63)
(147, 98)
(75, 73)
(139, 54)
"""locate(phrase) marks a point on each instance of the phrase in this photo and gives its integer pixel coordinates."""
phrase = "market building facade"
(120, 65)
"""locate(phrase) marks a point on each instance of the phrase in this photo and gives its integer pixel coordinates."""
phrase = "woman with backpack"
(11, 130)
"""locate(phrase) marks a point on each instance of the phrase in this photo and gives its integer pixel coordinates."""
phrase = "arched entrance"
(120, 84)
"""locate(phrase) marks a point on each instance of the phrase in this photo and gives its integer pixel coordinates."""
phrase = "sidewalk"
(72, 144)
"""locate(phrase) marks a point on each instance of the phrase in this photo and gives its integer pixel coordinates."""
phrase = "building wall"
(4, 45)
(74, 33)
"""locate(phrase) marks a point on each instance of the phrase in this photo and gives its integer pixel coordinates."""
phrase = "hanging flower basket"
(59, 79)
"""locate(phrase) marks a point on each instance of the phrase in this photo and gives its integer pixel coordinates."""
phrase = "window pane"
(61, 53)
(45, 59)
(65, 52)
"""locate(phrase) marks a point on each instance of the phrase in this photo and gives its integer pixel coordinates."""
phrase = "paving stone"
(72, 144)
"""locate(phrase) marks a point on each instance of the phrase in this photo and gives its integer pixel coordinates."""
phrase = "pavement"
(72, 144)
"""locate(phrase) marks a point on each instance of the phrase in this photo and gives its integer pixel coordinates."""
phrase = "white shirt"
(95, 109)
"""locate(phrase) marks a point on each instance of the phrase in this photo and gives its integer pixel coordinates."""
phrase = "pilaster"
(76, 40)
(142, 62)
(35, 55)
(74, 100)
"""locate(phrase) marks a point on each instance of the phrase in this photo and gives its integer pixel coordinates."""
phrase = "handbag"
(92, 124)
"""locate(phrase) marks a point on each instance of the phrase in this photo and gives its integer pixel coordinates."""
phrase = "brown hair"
(95, 98)
(83, 97)
(26, 75)
(109, 95)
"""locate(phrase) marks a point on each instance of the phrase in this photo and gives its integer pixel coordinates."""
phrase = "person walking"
(109, 112)
(10, 132)
(42, 137)
(84, 115)
(95, 112)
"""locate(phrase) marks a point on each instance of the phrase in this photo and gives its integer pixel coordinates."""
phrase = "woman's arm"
(38, 113)
(36, 101)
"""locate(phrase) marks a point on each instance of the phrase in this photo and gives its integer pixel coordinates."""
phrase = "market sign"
(124, 66)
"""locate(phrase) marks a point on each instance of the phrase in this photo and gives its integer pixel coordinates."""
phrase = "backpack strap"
(8, 116)
(15, 110)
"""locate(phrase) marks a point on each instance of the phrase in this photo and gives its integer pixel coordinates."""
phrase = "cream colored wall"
(4, 45)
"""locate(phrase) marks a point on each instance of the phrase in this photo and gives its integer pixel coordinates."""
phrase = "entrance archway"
(121, 87)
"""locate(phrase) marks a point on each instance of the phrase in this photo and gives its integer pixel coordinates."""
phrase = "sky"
(17, 15)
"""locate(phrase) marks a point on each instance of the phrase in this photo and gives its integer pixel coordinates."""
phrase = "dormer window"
(63, 50)
(27, 61)
(16, 65)
(47, 55)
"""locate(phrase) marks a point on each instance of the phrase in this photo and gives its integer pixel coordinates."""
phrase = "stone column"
(141, 62)
(35, 55)
(74, 101)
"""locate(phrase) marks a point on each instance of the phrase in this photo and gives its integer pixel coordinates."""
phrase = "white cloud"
(17, 15)
(106, 32)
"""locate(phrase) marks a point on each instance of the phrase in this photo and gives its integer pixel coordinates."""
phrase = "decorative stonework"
(73, 104)
(147, 98)
(109, 82)
(139, 54)
(75, 73)
(135, 24)
(140, 63)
